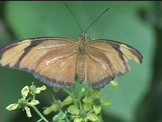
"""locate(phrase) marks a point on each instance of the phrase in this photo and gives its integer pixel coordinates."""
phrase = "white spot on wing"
(104, 67)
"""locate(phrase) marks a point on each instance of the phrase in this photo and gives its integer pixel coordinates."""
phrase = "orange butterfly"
(55, 61)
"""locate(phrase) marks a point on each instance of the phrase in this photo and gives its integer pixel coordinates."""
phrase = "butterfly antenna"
(97, 19)
(74, 17)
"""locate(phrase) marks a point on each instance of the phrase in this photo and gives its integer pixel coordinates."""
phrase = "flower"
(57, 104)
(53, 108)
(23, 102)
(36, 90)
(81, 115)
(95, 101)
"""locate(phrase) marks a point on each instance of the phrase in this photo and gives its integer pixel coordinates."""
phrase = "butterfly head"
(83, 36)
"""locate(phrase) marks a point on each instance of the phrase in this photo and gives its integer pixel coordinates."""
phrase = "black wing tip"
(133, 50)
(137, 54)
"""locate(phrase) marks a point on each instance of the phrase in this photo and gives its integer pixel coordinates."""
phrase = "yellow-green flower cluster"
(82, 108)
(90, 107)
(25, 102)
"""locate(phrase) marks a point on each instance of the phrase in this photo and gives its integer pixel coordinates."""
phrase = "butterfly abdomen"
(81, 67)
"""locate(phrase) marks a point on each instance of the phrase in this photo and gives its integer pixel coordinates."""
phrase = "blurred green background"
(138, 97)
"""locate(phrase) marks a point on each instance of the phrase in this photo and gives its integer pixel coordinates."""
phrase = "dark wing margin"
(116, 53)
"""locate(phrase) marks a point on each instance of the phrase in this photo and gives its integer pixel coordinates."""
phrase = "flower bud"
(68, 100)
(114, 83)
(82, 113)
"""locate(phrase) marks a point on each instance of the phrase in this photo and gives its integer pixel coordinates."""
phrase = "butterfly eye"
(84, 36)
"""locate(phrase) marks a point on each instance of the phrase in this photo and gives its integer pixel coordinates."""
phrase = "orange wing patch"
(12, 55)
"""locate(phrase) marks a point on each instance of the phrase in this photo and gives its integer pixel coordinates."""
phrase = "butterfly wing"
(108, 59)
(52, 60)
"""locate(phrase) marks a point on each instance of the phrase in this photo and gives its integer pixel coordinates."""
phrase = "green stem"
(66, 91)
(38, 112)
(34, 96)
(80, 105)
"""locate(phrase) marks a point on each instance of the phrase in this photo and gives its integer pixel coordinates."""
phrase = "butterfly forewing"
(52, 60)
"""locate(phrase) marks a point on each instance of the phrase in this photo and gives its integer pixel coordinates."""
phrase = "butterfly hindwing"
(108, 59)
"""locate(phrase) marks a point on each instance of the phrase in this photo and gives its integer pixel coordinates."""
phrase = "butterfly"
(55, 61)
